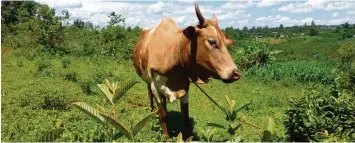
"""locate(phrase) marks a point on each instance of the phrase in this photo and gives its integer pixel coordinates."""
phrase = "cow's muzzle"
(233, 76)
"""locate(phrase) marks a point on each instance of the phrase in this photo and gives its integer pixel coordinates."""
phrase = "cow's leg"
(184, 106)
(164, 104)
(162, 115)
(161, 110)
(151, 96)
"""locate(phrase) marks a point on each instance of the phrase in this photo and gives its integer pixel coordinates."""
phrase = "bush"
(255, 54)
(347, 65)
(322, 116)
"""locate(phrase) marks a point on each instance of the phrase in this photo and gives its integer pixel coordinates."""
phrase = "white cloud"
(340, 5)
(67, 4)
(335, 14)
(317, 4)
(295, 8)
(158, 7)
(180, 19)
(185, 1)
(340, 21)
(350, 12)
(311, 5)
(237, 4)
(234, 15)
(268, 3)
(275, 20)
(229, 13)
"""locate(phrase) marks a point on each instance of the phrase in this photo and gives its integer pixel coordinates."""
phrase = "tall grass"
(294, 71)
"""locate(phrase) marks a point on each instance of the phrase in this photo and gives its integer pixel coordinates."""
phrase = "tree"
(65, 17)
(281, 27)
(314, 31)
(79, 23)
(345, 25)
(115, 19)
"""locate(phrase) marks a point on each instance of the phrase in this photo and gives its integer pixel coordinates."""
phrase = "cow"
(168, 59)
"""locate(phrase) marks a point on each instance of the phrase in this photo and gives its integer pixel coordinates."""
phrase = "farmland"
(41, 75)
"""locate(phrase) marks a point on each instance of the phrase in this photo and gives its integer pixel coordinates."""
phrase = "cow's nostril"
(236, 74)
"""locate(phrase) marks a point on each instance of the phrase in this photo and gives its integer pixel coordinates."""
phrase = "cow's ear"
(189, 32)
(214, 19)
(229, 41)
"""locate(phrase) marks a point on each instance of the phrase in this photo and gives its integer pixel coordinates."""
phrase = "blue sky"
(235, 13)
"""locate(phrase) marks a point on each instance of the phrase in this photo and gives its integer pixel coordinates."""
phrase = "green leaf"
(273, 52)
(189, 139)
(92, 112)
(142, 123)
(52, 135)
(109, 118)
(243, 107)
(231, 103)
(105, 90)
(204, 134)
(268, 129)
(179, 138)
(210, 134)
(122, 90)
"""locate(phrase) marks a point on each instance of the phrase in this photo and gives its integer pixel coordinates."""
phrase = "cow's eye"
(213, 43)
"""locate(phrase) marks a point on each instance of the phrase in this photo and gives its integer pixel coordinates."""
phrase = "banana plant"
(106, 118)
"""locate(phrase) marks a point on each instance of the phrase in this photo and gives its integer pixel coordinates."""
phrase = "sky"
(232, 13)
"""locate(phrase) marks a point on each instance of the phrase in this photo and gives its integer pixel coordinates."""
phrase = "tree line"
(34, 28)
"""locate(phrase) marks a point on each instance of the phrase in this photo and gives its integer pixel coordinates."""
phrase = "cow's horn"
(201, 19)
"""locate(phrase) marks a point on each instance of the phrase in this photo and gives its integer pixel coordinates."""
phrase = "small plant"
(234, 122)
(113, 94)
(65, 62)
(208, 134)
(71, 77)
(180, 140)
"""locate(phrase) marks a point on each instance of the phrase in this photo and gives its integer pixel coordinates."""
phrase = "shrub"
(322, 116)
(255, 54)
(347, 65)
(65, 62)
(71, 77)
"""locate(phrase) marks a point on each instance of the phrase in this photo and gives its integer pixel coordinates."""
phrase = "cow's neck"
(187, 56)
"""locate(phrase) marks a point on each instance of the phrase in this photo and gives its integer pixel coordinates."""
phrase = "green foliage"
(314, 31)
(320, 111)
(180, 140)
(268, 129)
(347, 66)
(255, 54)
(52, 135)
(289, 72)
(110, 91)
(208, 134)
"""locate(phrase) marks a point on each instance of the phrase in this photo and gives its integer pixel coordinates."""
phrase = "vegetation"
(48, 63)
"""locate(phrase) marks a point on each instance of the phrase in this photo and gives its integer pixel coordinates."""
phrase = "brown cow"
(167, 58)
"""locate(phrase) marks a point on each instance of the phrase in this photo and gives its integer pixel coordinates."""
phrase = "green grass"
(36, 100)
(308, 48)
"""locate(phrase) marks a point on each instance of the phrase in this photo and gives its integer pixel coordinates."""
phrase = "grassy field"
(35, 92)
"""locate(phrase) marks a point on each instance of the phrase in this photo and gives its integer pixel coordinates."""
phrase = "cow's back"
(154, 49)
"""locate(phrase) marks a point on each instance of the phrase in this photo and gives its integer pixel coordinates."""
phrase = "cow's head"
(211, 53)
